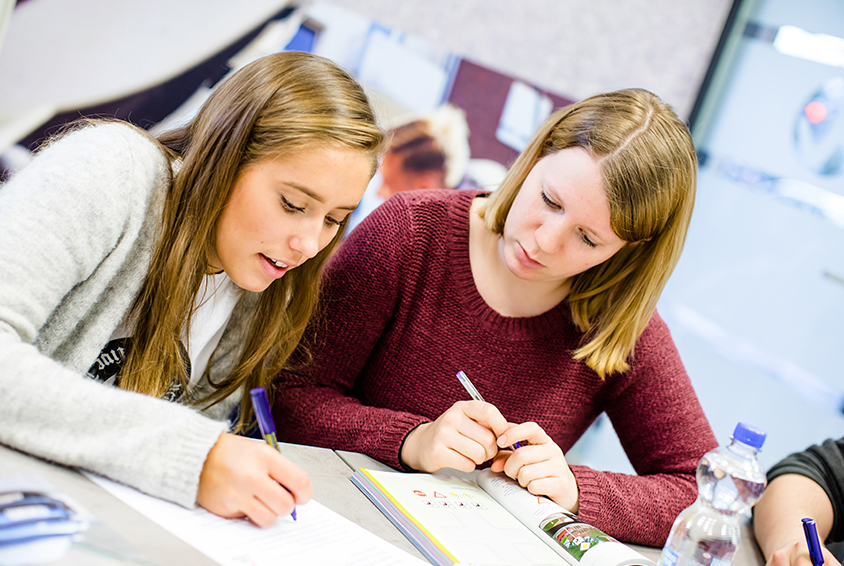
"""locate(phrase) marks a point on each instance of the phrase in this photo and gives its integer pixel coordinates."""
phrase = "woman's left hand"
(539, 467)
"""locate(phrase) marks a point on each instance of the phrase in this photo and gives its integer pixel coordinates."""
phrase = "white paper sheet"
(318, 536)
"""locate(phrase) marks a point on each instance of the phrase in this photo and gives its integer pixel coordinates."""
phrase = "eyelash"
(549, 202)
(291, 208)
(553, 205)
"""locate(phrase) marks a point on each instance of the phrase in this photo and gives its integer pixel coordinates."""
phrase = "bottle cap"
(750, 435)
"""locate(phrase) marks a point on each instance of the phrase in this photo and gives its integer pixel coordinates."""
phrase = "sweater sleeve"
(61, 220)
(315, 404)
(664, 433)
(824, 465)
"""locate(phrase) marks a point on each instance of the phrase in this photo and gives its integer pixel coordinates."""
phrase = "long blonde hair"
(649, 168)
(277, 104)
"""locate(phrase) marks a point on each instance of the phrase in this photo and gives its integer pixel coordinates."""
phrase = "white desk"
(124, 536)
(127, 537)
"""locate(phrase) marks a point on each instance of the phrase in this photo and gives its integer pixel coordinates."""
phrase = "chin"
(520, 272)
(253, 286)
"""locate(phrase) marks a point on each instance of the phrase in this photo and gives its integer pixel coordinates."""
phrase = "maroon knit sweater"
(401, 315)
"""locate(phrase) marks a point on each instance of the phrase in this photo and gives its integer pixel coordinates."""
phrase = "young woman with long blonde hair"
(148, 284)
(544, 293)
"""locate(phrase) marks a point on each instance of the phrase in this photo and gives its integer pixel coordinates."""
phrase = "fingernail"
(502, 440)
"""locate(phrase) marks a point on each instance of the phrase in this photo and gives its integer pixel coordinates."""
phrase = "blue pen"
(811, 531)
(464, 379)
(266, 423)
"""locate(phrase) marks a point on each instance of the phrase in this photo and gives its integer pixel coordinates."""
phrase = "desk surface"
(127, 537)
(124, 536)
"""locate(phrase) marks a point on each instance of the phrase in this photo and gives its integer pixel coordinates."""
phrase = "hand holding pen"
(242, 477)
(470, 388)
(461, 438)
(266, 423)
(539, 465)
(772, 528)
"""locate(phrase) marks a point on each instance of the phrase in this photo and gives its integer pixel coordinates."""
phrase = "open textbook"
(493, 522)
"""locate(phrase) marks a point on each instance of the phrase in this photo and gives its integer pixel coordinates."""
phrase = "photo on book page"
(577, 542)
(490, 522)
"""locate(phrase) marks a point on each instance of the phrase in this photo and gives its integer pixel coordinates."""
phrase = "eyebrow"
(316, 197)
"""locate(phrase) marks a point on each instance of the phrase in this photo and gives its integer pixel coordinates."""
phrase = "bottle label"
(667, 558)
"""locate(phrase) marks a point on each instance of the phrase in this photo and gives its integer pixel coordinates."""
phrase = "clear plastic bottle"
(729, 481)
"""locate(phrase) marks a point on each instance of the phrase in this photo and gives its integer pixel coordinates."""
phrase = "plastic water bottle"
(729, 481)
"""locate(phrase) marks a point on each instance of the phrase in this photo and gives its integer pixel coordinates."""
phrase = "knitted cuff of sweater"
(185, 455)
(590, 494)
(394, 437)
(405, 467)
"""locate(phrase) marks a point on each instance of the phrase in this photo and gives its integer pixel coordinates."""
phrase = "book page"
(318, 536)
(580, 544)
(452, 520)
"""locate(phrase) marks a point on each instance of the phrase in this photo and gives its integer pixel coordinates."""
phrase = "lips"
(525, 259)
(275, 268)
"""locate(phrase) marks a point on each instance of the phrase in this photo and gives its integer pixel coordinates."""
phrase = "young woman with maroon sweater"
(544, 293)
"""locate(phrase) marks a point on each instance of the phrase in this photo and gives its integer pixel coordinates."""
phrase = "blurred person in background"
(427, 150)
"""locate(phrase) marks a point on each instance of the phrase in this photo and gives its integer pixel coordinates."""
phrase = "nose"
(549, 235)
(306, 242)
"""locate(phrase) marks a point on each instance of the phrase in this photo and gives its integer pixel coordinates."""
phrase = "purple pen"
(266, 423)
(811, 532)
(470, 388)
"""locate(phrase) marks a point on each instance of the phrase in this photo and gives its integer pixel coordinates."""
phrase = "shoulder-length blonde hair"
(277, 104)
(648, 165)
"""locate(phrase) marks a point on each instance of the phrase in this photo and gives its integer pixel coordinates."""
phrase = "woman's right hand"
(797, 554)
(244, 477)
(461, 438)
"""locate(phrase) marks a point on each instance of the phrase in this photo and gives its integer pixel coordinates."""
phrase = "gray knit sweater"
(77, 227)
